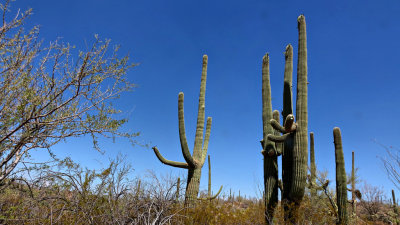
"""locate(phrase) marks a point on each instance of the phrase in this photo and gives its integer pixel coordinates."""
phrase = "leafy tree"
(47, 95)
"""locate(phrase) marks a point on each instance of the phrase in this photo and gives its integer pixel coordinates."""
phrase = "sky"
(353, 74)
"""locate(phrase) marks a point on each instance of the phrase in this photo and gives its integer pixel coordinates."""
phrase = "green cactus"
(193, 163)
(295, 152)
(313, 168)
(178, 184)
(395, 210)
(209, 196)
(353, 185)
(341, 188)
(268, 147)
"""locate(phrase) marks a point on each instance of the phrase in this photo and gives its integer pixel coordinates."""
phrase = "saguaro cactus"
(395, 210)
(178, 184)
(341, 188)
(353, 185)
(269, 150)
(209, 196)
(193, 163)
(313, 168)
(295, 152)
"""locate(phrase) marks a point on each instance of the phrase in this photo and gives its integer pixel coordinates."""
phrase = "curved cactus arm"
(214, 196)
(275, 124)
(278, 139)
(287, 82)
(182, 132)
(289, 124)
(169, 162)
(206, 140)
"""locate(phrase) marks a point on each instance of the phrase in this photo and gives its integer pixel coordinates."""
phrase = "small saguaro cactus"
(294, 138)
(341, 188)
(178, 184)
(395, 210)
(209, 196)
(194, 162)
(313, 168)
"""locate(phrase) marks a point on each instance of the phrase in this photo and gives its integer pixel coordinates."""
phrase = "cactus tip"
(336, 130)
(301, 17)
(205, 58)
(266, 58)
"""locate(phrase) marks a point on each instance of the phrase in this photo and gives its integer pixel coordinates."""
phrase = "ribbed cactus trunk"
(297, 183)
(270, 160)
(313, 168)
(287, 154)
(341, 188)
(192, 188)
(194, 162)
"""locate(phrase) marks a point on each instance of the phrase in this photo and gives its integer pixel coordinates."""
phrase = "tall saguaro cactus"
(269, 150)
(295, 152)
(341, 188)
(194, 162)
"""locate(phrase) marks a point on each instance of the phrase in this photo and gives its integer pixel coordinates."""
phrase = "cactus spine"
(193, 163)
(341, 189)
(270, 158)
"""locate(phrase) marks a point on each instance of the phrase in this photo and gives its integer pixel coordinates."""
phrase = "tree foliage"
(47, 94)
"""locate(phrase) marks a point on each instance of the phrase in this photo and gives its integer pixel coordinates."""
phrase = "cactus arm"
(214, 196)
(275, 124)
(278, 139)
(169, 162)
(287, 82)
(278, 146)
(206, 139)
(182, 132)
(198, 142)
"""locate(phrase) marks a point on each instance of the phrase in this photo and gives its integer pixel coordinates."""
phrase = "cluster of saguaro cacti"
(294, 134)
(194, 163)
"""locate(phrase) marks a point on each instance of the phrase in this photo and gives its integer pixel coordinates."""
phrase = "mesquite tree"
(48, 95)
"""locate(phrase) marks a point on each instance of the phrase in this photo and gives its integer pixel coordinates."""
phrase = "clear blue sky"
(353, 66)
